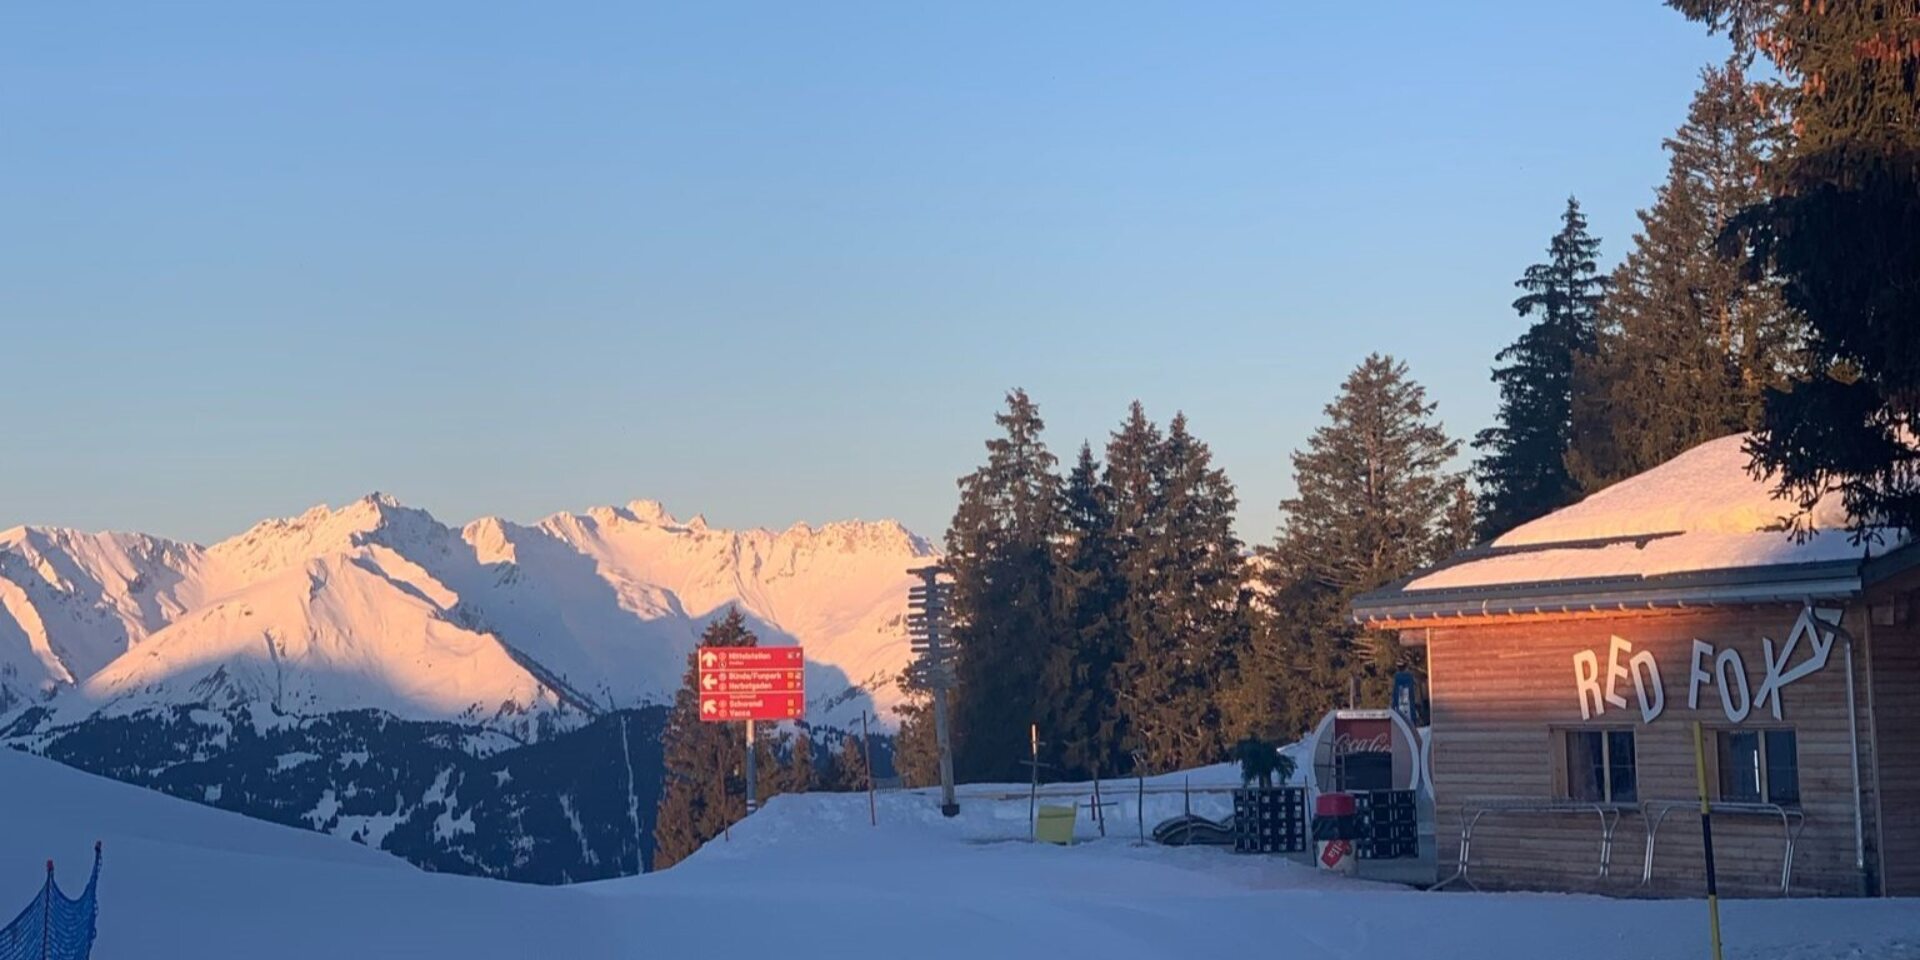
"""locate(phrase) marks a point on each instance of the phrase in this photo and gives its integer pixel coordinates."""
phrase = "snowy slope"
(807, 877)
(70, 602)
(377, 605)
(1699, 511)
(364, 629)
(613, 600)
(186, 882)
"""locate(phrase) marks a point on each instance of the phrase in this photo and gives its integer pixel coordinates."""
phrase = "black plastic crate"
(1269, 820)
(1389, 825)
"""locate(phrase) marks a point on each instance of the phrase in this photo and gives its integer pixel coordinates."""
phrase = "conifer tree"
(1523, 470)
(1079, 709)
(1180, 568)
(916, 752)
(793, 752)
(850, 765)
(1000, 553)
(704, 787)
(1460, 529)
(1204, 607)
(1841, 229)
(1688, 341)
(1374, 503)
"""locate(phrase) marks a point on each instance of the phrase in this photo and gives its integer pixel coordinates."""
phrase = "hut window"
(1759, 766)
(1600, 766)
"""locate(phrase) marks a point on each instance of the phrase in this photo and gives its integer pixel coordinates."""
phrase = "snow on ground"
(809, 877)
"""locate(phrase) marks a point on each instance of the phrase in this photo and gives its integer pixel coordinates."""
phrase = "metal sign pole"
(947, 804)
(866, 751)
(1033, 788)
(753, 787)
(1706, 842)
(934, 668)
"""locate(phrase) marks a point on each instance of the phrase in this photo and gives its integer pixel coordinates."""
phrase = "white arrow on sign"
(708, 659)
(709, 706)
(707, 680)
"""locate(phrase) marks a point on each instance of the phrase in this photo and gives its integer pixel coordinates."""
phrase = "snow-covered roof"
(1707, 489)
(1698, 514)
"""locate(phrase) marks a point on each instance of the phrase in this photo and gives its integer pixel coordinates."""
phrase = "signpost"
(933, 668)
(751, 684)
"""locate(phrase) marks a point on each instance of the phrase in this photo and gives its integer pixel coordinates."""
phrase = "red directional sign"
(752, 683)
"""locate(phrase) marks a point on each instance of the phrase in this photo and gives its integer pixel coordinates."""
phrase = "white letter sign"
(1586, 683)
(1616, 671)
(1597, 688)
(1731, 657)
(1646, 686)
(1697, 676)
(1777, 674)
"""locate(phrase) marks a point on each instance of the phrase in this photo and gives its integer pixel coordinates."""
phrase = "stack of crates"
(1270, 820)
(1389, 825)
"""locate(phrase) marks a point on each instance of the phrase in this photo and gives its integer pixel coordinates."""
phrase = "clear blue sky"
(771, 262)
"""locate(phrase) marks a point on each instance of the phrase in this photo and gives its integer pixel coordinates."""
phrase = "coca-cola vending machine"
(1362, 753)
(1362, 750)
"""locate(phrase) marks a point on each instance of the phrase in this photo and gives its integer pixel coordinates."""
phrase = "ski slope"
(809, 877)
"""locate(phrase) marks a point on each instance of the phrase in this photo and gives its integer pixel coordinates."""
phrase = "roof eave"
(1789, 583)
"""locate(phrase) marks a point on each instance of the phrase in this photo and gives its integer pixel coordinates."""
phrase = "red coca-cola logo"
(1347, 743)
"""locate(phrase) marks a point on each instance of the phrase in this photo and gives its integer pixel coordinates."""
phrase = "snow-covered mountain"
(481, 700)
(71, 602)
(377, 605)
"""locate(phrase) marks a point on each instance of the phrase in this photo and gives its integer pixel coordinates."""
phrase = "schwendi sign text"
(1600, 687)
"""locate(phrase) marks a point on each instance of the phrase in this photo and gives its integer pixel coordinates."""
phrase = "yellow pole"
(1706, 840)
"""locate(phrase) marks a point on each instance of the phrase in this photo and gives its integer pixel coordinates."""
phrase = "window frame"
(1762, 734)
(1563, 755)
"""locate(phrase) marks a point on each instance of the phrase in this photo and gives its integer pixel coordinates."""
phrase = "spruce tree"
(1460, 528)
(1688, 341)
(1204, 606)
(1000, 553)
(916, 751)
(1180, 568)
(1523, 470)
(704, 788)
(794, 770)
(1375, 501)
(1841, 229)
(1079, 711)
(850, 765)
